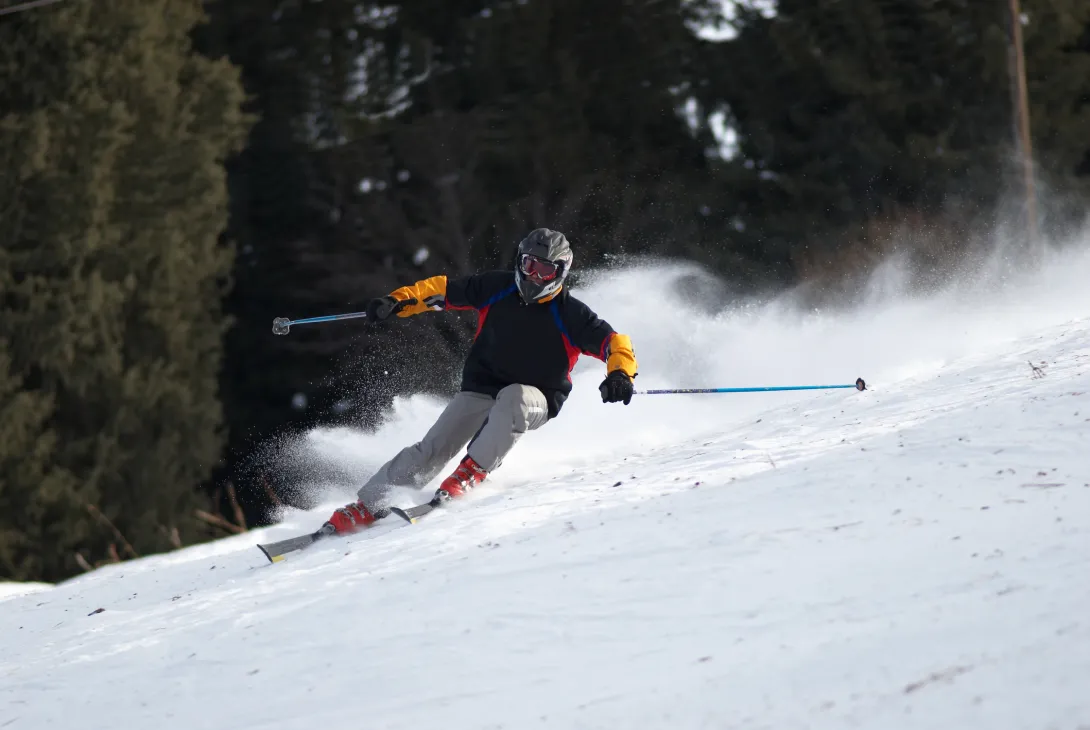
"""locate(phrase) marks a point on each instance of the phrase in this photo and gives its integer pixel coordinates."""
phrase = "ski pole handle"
(858, 385)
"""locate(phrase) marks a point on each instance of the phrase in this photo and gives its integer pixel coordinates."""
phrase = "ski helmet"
(543, 261)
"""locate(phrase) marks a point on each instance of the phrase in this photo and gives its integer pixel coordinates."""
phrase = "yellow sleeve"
(620, 356)
(430, 295)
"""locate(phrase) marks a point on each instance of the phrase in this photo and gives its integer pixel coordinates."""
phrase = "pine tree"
(849, 110)
(1057, 48)
(298, 254)
(114, 136)
(551, 112)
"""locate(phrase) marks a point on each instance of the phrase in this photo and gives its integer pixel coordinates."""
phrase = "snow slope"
(11, 590)
(910, 557)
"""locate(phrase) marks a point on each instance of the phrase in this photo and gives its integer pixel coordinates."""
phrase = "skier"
(530, 332)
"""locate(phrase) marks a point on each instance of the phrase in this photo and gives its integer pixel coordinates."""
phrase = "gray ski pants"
(491, 426)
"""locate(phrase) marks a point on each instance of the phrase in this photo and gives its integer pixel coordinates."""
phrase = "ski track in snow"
(914, 556)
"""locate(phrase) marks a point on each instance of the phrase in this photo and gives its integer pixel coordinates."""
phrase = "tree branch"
(97, 514)
(218, 521)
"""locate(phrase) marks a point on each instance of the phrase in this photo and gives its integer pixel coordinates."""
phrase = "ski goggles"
(540, 269)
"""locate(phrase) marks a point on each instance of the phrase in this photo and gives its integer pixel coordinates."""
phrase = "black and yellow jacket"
(530, 344)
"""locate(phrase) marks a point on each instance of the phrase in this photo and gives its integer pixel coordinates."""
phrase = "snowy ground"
(915, 556)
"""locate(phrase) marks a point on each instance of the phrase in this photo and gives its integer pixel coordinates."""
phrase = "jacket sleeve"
(464, 292)
(620, 355)
(430, 295)
(593, 336)
(477, 290)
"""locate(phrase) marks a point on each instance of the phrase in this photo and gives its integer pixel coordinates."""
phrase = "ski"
(412, 514)
(275, 551)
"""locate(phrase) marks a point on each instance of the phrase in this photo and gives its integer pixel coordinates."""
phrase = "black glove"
(616, 387)
(385, 307)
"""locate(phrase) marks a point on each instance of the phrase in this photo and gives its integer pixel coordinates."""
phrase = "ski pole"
(858, 385)
(281, 325)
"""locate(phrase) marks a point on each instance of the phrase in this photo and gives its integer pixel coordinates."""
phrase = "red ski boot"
(352, 517)
(468, 475)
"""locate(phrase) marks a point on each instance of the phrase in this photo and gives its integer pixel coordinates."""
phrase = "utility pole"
(1020, 107)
